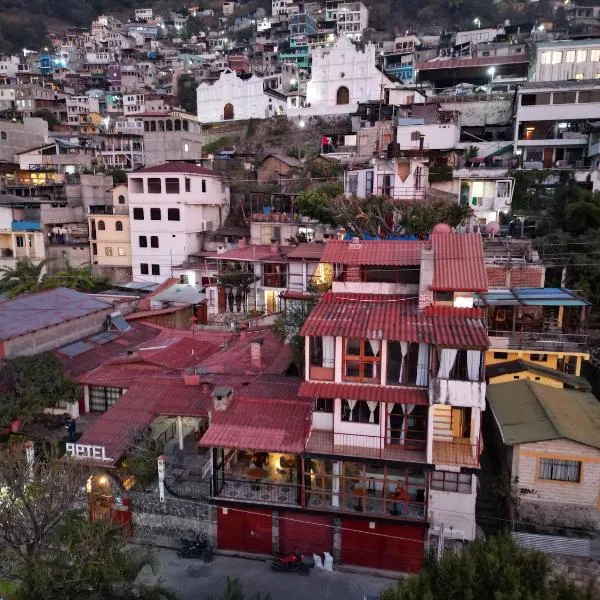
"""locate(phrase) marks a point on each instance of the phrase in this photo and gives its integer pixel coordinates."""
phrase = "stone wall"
(163, 523)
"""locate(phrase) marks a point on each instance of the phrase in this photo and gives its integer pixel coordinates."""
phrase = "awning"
(375, 393)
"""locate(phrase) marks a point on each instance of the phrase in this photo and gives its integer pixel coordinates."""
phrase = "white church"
(341, 76)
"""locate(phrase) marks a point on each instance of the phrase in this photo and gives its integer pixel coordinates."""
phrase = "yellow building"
(545, 326)
(514, 370)
(110, 238)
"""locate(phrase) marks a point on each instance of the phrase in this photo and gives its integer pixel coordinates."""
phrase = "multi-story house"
(383, 436)
(352, 19)
(110, 238)
(16, 137)
(79, 106)
(565, 59)
(169, 205)
(20, 238)
(133, 104)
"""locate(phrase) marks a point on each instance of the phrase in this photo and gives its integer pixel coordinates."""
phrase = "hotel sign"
(87, 452)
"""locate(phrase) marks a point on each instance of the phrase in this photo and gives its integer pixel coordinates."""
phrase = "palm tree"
(79, 278)
(24, 277)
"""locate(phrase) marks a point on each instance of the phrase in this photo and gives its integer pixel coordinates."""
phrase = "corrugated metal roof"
(373, 252)
(554, 544)
(177, 167)
(349, 391)
(561, 85)
(257, 252)
(378, 317)
(459, 264)
(307, 251)
(31, 312)
(531, 412)
(519, 366)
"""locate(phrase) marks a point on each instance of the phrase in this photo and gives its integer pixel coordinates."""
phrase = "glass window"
(447, 481)
(121, 199)
(155, 269)
(361, 359)
(204, 185)
(101, 398)
(324, 405)
(172, 185)
(122, 252)
(556, 58)
(570, 56)
(154, 185)
(188, 184)
(144, 268)
(143, 241)
(581, 56)
(546, 58)
(108, 251)
(595, 55)
(560, 470)
(138, 214)
(153, 241)
(579, 76)
(173, 214)
(360, 411)
(101, 226)
(119, 225)
(155, 214)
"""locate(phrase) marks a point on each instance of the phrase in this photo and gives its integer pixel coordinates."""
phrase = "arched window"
(146, 126)
(121, 199)
(161, 125)
(343, 95)
(152, 125)
(177, 125)
(186, 125)
(169, 125)
(101, 226)
(119, 225)
(228, 112)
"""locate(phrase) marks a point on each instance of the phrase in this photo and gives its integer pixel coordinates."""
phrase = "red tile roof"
(459, 263)
(264, 425)
(373, 252)
(372, 316)
(178, 167)
(354, 391)
(307, 251)
(257, 252)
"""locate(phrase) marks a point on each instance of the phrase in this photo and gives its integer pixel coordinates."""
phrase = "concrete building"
(565, 59)
(352, 20)
(169, 205)
(17, 137)
(20, 238)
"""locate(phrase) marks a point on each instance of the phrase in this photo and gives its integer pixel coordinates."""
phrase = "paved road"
(195, 580)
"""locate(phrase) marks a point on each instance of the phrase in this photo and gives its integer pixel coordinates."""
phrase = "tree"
(186, 93)
(24, 277)
(48, 548)
(79, 278)
(239, 283)
(494, 569)
(29, 384)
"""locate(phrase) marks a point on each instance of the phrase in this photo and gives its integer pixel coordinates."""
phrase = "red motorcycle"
(290, 562)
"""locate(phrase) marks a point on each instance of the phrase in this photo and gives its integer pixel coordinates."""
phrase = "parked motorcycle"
(290, 562)
(195, 548)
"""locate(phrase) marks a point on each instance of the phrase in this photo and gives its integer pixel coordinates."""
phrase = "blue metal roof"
(26, 226)
(531, 297)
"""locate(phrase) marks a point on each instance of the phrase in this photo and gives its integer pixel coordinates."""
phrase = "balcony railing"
(366, 446)
(259, 491)
(276, 280)
(456, 452)
(557, 342)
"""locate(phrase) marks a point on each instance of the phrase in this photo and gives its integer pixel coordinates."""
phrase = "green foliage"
(218, 144)
(186, 93)
(441, 173)
(234, 591)
(317, 204)
(495, 569)
(419, 218)
(141, 461)
(32, 383)
(118, 176)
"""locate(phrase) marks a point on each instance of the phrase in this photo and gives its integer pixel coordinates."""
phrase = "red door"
(245, 530)
(387, 545)
(311, 534)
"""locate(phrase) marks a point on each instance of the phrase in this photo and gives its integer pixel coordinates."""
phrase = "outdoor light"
(541, 27)
(477, 22)
(302, 124)
(293, 81)
(103, 480)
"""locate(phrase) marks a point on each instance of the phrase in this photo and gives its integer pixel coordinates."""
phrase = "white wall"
(563, 65)
(454, 511)
(443, 136)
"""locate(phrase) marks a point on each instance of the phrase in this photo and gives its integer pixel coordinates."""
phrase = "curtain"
(404, 352)
(423, 365)
(372, 406)
(446, 362)
(351, 404)
(375, 346)
(407, 409)
(335, 483)
(473, 364)
(546, 469)
(328, 351)
(390, 409)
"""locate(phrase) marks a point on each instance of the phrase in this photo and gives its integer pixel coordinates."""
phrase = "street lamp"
(477, 22)
(491, 71)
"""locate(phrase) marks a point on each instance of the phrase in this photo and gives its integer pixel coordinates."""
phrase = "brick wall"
(352, 273)
(584, 493)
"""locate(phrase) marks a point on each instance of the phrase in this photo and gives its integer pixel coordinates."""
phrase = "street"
(196, 580)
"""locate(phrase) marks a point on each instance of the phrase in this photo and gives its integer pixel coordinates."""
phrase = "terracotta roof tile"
(307, 252)
(257, 252)
(353, 391)
(373, 252)
(459, 263)
(372, 316)
(178, 167)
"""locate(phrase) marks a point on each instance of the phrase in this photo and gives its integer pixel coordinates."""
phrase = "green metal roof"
(519, 365)
(531, 297)
(532, 412)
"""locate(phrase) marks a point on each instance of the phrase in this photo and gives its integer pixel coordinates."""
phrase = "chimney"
(241, 243)
(275, 246)
(426, 275)
(256, 353)
(221, 397)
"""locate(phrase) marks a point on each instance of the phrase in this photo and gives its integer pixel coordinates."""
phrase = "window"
(136, 185)
(316, 350)
(101, 226)
(3, 135)
(20, 241)
(121, 199)
(570, 56)
(560, 470)
(154, 185)
(94, 249)
(172, 185)
(556, 58)
(502, 355)
(361, 359)
(595, 55)
(342, 95)
(119, 225)
(546, 58)
(173, 214)
(153, 241)
(203, 186)
(138, 214)
(144, 268)
(155, 214)
(446, 481)
(143, 241)
(122, 252)
(369, 183)
(188, 184)
(108, 251)
(324, 405)
(360, 411)
(352, 183)
(581, 56)
(538, 357)
(155, 269)
(102, 398)
(579, 76)
(563, 98)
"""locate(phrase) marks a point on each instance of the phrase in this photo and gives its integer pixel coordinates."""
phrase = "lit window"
(581, 56)
(556, 58)
(546, 58)
(122, 252)
(595, 55)
(579, 76)
(186, 148)
(108, 251)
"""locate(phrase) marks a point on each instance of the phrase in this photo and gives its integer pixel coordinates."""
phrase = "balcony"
(366, 446)
(553, 342)
(456, 453)
(259, 491)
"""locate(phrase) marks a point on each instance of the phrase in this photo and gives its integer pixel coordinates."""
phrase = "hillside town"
(296, 287)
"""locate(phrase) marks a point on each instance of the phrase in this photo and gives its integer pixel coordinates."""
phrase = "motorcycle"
(290, 562)
(195, 548)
